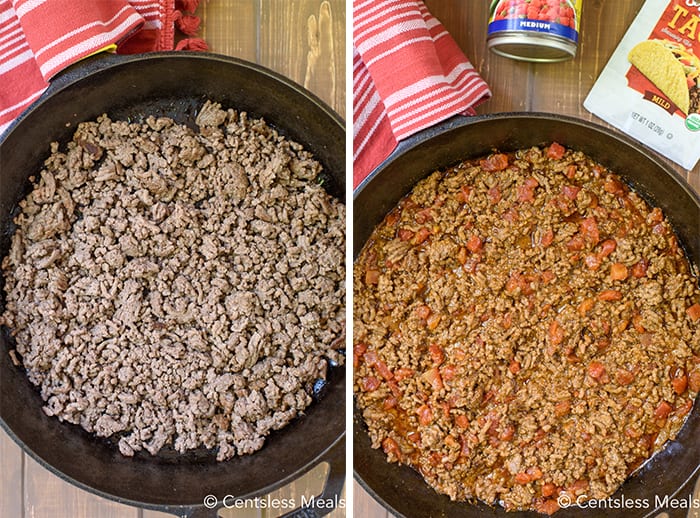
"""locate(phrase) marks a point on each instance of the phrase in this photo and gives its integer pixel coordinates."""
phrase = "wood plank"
(311, 484)
(366, 506)
(230, 27)
(10, 477)
(47, 496)
(154, 514)
(305, 41)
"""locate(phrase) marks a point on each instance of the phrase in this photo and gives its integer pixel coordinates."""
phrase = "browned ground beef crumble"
(172, 287)
(524, 326)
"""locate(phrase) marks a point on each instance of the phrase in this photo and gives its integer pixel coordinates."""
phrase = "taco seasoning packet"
(650, 88)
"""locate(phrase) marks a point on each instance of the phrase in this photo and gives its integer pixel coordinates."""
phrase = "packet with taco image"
(650, 88)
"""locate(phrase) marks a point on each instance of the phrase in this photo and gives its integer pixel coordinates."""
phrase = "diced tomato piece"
(607, 247)
(637, 323)
(462, 255)
(663, 410)
(618, 272)
(680, 382)
(694, 380)
(514, 366)
(614, 186)
(495, 162)
(462, 421)
(371, 357)
(437, 354)
(371, 276)
(596, 370)
(474, 243)
(589, 228)
(433, 321)
(548, 506)
(610, 295)
(548, 489)
(624, 377)
(694, 312)
(525, 194)
(390, 402)
(592, 261)
(556, 151)
(684, 408)
(523, 478)
(570, 191)
(535, 472)
(425, 415)
(508, 433)
(433, 377)
(358, 350)
(494, 194)
(406, 234)
(423, 215)
(576, 243)
(402, 373)
(370, 383)
(391, 447)
(571, 172)
(422, 234)
(655, 216)
(547, 238)
(414, 437)
(639, 270)
(448, 372)
(562, 408)
(531, 182)
(507, 321)
(422, 312)
(585, 306)
(383, 370)
(392, 218)
(511, 215)
(555, 333)
(548, 276)
(464, 192)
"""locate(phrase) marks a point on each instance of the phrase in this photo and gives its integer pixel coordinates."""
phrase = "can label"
(556, 17)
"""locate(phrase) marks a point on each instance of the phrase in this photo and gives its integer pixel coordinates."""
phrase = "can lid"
(527, 46)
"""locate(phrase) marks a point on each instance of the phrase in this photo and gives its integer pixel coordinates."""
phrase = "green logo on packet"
(692, 122)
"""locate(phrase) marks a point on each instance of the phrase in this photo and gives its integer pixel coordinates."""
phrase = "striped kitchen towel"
(408, 74)
(39, 38)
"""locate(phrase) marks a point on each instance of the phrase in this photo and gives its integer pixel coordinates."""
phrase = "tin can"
(534, 30)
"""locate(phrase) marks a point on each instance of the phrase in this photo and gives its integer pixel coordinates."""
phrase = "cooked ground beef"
(175, 287)
(525, 326)
(694, 99)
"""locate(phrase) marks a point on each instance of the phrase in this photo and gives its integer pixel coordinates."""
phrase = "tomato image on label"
(561, 12)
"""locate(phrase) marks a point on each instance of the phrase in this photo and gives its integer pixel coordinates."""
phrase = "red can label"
(556, 17)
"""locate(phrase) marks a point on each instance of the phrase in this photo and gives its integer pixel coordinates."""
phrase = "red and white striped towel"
(408, 74)
(39, 38)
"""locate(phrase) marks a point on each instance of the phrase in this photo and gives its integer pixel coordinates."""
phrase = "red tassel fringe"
(188, 24)
(187, 6)
(196, 44)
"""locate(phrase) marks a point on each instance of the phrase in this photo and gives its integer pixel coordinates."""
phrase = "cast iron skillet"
(400, 488)
(175, 85)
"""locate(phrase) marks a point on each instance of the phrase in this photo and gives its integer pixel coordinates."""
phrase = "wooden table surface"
(301, 39)
(518, 86)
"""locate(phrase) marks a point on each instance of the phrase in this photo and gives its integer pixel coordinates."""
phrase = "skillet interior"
(174, 85)
(400, 488)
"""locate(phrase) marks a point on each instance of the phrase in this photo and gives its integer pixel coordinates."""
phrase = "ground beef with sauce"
(525, 326)
(171, 287)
